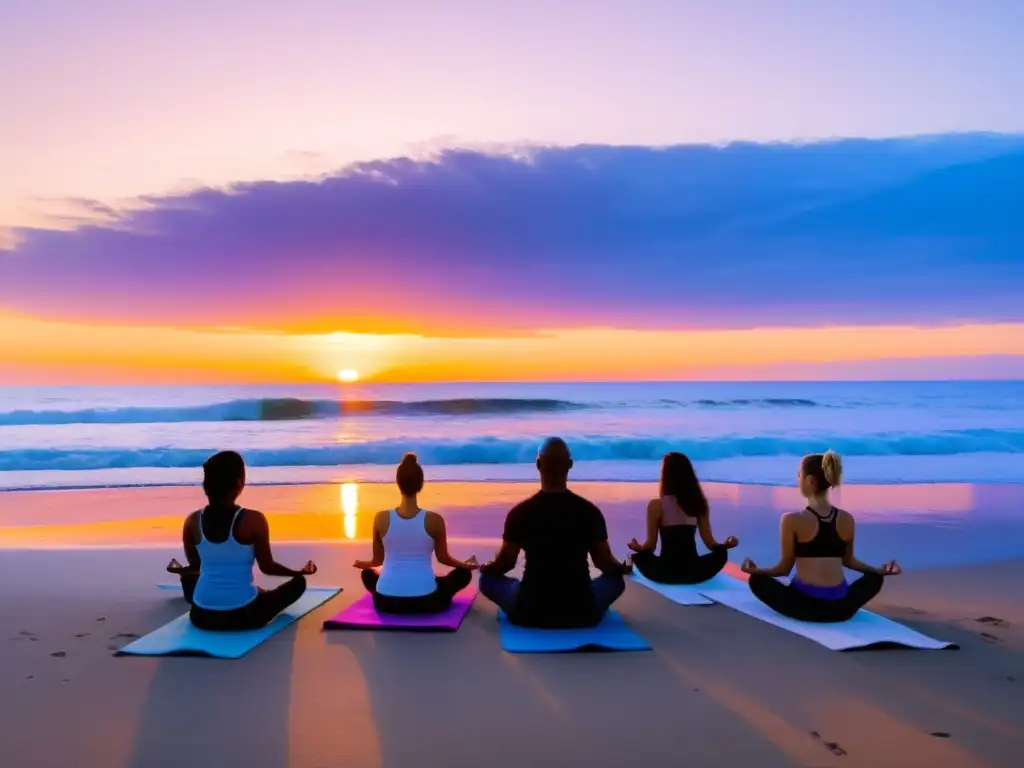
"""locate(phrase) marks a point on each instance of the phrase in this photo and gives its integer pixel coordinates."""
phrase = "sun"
(348, 375)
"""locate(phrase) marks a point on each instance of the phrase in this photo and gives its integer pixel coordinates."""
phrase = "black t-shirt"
(556, 531)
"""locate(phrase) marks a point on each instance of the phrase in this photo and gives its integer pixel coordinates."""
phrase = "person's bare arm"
(264, 557)
(504, 561)
(704, 528)
(653, 519)
(439, 533)
(188, 543)
(787, 544)
(605, 561)
(378, 548)
(850, 561)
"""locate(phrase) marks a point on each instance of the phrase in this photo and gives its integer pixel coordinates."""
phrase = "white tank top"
(408, 558)
(225, 571)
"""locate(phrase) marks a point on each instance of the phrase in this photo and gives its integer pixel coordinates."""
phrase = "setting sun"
(348, 375)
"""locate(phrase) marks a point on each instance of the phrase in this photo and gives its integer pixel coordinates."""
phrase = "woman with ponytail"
(819, 541)
(676, 516)
(405, 540)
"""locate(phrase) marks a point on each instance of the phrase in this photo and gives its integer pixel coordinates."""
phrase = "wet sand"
(718, 688)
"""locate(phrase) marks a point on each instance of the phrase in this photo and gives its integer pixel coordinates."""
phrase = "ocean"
(888, 432)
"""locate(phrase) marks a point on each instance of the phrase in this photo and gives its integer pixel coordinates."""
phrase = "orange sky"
(44, 352)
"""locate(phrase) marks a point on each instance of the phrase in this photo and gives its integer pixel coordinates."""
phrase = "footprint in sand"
(831, 746)
(59, 654)
(102, 618)
(82, 634)
(992, 621)
(125, 636)
(990, 638)
(939, 734)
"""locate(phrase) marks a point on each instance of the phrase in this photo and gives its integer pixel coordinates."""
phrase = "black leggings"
(258, 613)
(689, 571)
(792, 602)
(437, 601)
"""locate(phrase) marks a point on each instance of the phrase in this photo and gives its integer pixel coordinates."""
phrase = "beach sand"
(718, 688)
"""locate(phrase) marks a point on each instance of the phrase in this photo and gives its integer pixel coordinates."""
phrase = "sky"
(450, 190)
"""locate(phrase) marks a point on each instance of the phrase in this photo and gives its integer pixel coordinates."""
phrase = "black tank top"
(679, 543)
(826, 542)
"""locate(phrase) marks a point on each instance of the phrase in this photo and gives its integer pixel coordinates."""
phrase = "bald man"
(557, 530)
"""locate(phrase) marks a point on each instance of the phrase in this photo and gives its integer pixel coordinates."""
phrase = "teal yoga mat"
(180, 638)
(612, 634)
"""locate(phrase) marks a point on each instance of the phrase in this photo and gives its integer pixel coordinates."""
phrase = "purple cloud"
(848, 231)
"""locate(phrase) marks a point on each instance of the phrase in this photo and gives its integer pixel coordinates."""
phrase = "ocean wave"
(287, 409)
(487, 450)
(770, 402)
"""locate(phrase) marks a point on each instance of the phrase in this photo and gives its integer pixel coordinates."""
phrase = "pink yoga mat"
(362, 615)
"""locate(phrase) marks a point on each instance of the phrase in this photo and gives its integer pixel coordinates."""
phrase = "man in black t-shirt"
(557, 530)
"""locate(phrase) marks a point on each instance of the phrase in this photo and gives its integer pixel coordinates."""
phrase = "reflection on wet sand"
(344, 511)
(349, 508)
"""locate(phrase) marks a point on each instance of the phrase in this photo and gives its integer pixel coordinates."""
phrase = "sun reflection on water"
(349, 507)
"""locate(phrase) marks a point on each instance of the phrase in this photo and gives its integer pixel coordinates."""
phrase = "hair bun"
(832, 467)
(410, 458)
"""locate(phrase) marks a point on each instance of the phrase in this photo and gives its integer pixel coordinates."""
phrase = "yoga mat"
(685, 594)
(180, 638)
(612, 634)
(864, 631)
(362, 615)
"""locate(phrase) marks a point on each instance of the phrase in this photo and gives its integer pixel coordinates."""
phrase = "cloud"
(473, 242)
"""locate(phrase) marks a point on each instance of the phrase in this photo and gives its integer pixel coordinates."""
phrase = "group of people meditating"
(558, 531)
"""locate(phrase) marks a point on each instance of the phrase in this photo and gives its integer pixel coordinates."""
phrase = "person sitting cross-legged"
(556, 530)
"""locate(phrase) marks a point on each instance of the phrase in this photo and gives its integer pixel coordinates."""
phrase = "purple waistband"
(838, 592)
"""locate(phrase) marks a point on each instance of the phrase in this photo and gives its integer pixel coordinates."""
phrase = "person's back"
(405, 541)
(409, 565)
(222, 543)
(679, 513)
(556, 530)
(226, 581)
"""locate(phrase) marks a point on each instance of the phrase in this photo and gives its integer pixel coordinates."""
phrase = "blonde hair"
(832, 467)
(826, 469)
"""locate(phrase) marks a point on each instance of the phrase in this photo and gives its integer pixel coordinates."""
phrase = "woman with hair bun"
(819, 541)
(405, 539)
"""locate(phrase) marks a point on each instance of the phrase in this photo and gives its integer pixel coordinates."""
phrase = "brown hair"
(409, 475)
(679, 480)
(826, 469)
(222, 473)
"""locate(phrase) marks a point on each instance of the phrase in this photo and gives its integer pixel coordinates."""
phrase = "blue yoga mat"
(612, 634)
(180, 638)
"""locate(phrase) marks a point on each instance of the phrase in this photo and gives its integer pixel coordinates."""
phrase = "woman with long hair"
(676, 516)
(819, 542)
(405, 541)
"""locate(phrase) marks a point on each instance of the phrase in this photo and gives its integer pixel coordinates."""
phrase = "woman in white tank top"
(405, 540)
(676, 516)
(223, 542)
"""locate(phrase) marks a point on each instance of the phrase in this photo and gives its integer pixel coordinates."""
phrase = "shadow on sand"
(459, 700)
(216, 712)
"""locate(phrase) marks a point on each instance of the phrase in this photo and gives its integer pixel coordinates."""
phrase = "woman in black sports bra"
(819, 540)
(677, 515)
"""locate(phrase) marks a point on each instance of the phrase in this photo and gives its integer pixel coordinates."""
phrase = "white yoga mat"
(865, 630)
(685, 594)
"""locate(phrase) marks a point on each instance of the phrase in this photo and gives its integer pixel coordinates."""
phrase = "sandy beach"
(718, 687)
